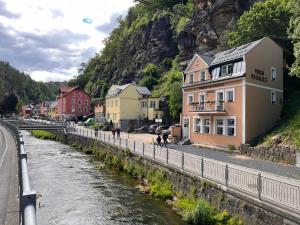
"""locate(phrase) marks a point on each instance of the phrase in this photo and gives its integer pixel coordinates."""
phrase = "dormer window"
(191, 78)
(202, 75)
(227, 69)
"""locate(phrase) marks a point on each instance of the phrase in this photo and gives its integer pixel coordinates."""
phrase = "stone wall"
(280, 153)
(250, 210)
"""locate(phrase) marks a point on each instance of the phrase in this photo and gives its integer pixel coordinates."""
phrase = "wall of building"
(197, 66)
(113, 109)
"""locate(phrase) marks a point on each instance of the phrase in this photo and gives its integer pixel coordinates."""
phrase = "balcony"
(210, 107)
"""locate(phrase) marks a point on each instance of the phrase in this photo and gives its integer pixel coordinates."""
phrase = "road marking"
(6, 147)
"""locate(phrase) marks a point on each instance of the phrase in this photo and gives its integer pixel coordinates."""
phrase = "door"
(186, 128)
(220, 101)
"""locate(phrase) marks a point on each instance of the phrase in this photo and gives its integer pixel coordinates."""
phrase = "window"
(197, 125)
(108, 116)
(152, 104)
(85, 109)
(190, 99)
(230, 95)
(73, 101)
(202, 75)
(206, 126)
(226, 69)
(230, 127)
(156, 115)
(73, 109)
(273, 97)
(79, 102)
(86, 102)
(144, 104)
(202, 101)
(191, 78)
(219, 100)
(219, 126)
(273, 73)
(79, 109)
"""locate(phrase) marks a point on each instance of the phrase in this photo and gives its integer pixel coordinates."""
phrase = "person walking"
(96, 131)
(118, 132)
(165, 138)
(158, 140)
(113, 132)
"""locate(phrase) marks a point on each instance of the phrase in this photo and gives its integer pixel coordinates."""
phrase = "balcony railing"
(208, 107)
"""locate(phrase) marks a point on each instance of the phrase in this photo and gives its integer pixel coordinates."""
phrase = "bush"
(43, 134)
(202, 214)
(160, 186)
(231, 147)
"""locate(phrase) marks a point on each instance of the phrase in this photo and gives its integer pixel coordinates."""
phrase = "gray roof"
(53, 105)
(207, 58)
(143, 91)
(116, 90)
(234, 53)
(48, 103)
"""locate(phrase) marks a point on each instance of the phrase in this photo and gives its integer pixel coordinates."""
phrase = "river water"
(73, 189)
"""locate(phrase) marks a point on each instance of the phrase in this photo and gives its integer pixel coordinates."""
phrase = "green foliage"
(231, 147)
(160, 186)
(150, 75)
(202, 214)
(294, 34)
(267, 18)
(43, 134)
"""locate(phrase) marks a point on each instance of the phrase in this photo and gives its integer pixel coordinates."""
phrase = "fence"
(27, 195)
(282, 191)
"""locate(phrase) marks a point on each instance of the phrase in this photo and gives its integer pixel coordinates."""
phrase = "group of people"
(164, 138)
(116, 130)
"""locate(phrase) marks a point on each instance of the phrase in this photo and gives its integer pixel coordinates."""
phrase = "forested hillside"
(16, 83)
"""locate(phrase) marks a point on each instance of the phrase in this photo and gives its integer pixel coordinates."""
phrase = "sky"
(48, 38)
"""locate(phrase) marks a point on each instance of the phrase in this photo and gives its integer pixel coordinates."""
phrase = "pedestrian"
(96, 131)
(113, 132)
(158, 140)
(118, 132)
(165, 138)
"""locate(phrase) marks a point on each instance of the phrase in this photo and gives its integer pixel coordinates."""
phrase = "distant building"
(100, 112)
(234, 96)
(26, 111)
(52, 111)
(73, 103)
(130, 103)
(45, 108)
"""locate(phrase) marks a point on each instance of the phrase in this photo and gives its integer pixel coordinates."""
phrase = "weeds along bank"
(198, 201)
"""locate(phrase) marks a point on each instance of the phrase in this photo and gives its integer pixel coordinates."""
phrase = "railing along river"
(281, 191)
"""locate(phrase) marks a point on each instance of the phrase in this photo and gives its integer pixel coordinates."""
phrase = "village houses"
(232, 97)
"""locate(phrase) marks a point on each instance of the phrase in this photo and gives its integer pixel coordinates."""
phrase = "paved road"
(262, 165)
(9, 203)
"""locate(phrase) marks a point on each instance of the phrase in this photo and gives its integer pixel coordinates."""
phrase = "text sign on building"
(259, 75)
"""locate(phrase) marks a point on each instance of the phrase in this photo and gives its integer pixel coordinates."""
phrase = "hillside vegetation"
(18, 88)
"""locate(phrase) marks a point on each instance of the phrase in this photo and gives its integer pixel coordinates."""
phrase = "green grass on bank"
(43, 134)
(288, 129)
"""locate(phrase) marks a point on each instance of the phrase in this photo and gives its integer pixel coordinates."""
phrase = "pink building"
(73, 103)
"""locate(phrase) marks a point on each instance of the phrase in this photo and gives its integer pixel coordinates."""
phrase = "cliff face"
(157, 42)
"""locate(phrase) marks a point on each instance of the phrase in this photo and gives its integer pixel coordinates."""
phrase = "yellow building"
(52, 112)
(130, 102)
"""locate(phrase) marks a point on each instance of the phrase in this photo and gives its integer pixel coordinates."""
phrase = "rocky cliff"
(158, 41)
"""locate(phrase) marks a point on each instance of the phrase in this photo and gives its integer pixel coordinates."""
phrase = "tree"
(269, 18)
(175, 100)
(294, 34)
(9, 103)
(150, 75)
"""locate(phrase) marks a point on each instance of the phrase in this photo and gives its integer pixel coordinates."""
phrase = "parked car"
(162, 129)
(152, 128)
(89, 122)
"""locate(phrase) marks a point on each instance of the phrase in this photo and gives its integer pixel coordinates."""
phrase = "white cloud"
(36, 19)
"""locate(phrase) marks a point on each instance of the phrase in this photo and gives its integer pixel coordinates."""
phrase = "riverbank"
(193, 208)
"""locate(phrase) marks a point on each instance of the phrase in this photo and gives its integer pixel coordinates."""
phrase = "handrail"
(27, 195)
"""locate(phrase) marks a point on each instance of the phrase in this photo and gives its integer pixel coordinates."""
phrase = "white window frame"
(216, 97)
(216, 125)
(152, 104)
(79, 102)
(227, 70)
(86, 102)
(194, 124)
(275, 94)
(188, 99)
(273, 69)
(203, 125)
(191, 80)
(201, 73)
(233, 93)
(228, 118)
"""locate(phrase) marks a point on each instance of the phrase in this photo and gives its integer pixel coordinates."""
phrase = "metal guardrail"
(276, 190)
(27, 195)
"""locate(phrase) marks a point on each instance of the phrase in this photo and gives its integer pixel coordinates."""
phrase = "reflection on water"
(72, 191)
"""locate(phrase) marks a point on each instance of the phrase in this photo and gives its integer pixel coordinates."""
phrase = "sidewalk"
(262, 165)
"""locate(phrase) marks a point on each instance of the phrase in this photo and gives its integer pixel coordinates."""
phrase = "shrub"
(202, 214)
(231, 147)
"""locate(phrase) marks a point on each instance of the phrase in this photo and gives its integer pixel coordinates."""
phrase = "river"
(75, 189)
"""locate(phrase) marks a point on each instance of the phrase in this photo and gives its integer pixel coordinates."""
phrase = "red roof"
(65, 89)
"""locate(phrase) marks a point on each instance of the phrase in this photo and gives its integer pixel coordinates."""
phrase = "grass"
(43, 134)
(288, 129)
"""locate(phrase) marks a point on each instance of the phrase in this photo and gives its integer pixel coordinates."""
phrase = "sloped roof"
(207, 58)
(116, 90)
(233, 53)
(65, 89)
(53, 105)
(48, 103)
(143, 91)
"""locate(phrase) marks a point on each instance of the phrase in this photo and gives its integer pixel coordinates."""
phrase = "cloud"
(57, 13)
(4, 12)
(113, 23)
(54, 51)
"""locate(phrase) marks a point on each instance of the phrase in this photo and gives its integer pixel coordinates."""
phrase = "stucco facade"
(234, 96)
